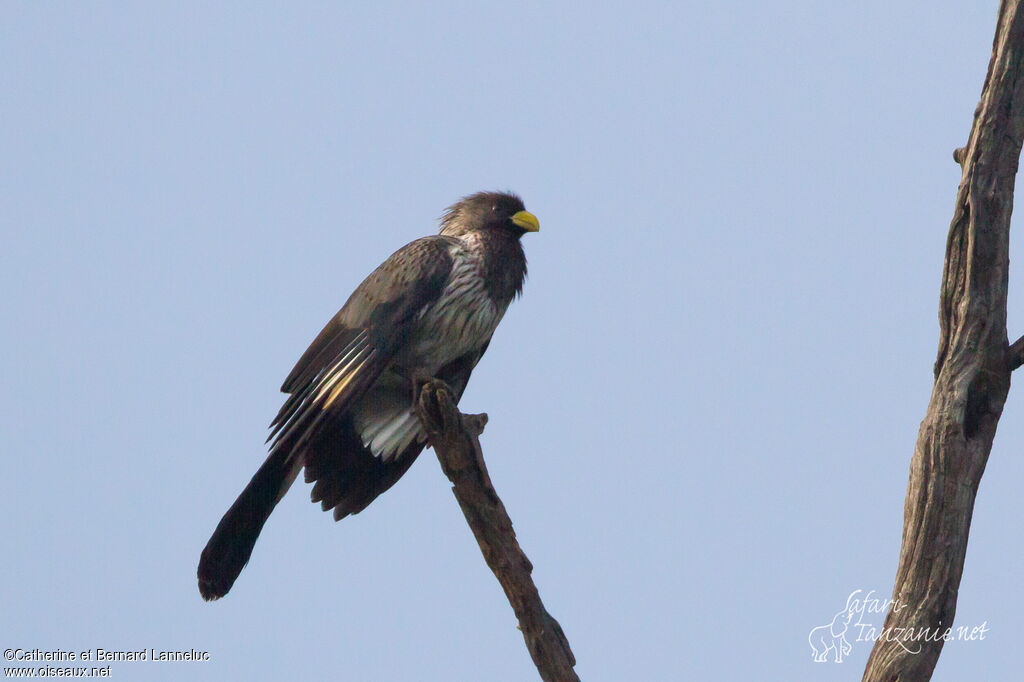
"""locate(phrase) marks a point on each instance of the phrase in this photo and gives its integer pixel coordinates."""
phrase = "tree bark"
(455, 439)
(972, 374)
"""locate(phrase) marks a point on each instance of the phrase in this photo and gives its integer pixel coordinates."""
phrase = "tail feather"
(232, 542)
(347, 476)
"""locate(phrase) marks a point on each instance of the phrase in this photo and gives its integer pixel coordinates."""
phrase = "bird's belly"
(458, 324)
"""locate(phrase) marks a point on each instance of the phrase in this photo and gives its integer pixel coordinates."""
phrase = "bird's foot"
(434, 397)
(420, 382)
(444, 424)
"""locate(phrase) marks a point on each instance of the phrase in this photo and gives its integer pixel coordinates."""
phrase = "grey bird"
(428, 312)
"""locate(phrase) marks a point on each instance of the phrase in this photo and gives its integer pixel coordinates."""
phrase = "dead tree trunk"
(455, 439)
(972, 373)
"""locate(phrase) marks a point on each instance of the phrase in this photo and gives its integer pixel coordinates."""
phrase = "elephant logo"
(832, 637)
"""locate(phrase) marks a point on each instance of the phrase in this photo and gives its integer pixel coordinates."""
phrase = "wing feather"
(361, 340)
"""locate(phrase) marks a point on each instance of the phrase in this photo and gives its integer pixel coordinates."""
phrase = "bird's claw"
(433, 401)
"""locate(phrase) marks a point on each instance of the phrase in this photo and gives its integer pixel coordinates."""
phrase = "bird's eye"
(494, 208)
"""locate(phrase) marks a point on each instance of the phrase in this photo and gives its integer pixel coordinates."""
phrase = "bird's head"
(487, 211)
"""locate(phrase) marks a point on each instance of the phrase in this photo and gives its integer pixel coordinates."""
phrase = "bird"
(426, 313)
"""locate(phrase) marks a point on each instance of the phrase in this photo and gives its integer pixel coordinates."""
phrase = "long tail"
(232, 542)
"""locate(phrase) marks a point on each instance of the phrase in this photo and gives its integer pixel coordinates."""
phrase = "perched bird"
(427, 312)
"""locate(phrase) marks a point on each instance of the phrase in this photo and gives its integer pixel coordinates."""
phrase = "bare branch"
(1015, 354)
(454, 437)
(972, 377)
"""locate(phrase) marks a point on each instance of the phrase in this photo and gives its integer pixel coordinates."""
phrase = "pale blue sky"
(702, 409)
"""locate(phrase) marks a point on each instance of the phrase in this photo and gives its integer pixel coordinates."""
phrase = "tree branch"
(1015, 354)
(972, 373)
(454, 437)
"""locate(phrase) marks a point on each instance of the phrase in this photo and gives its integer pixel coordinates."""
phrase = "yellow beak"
(527, 221)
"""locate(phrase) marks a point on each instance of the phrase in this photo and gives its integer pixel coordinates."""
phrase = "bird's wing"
(362, 338)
